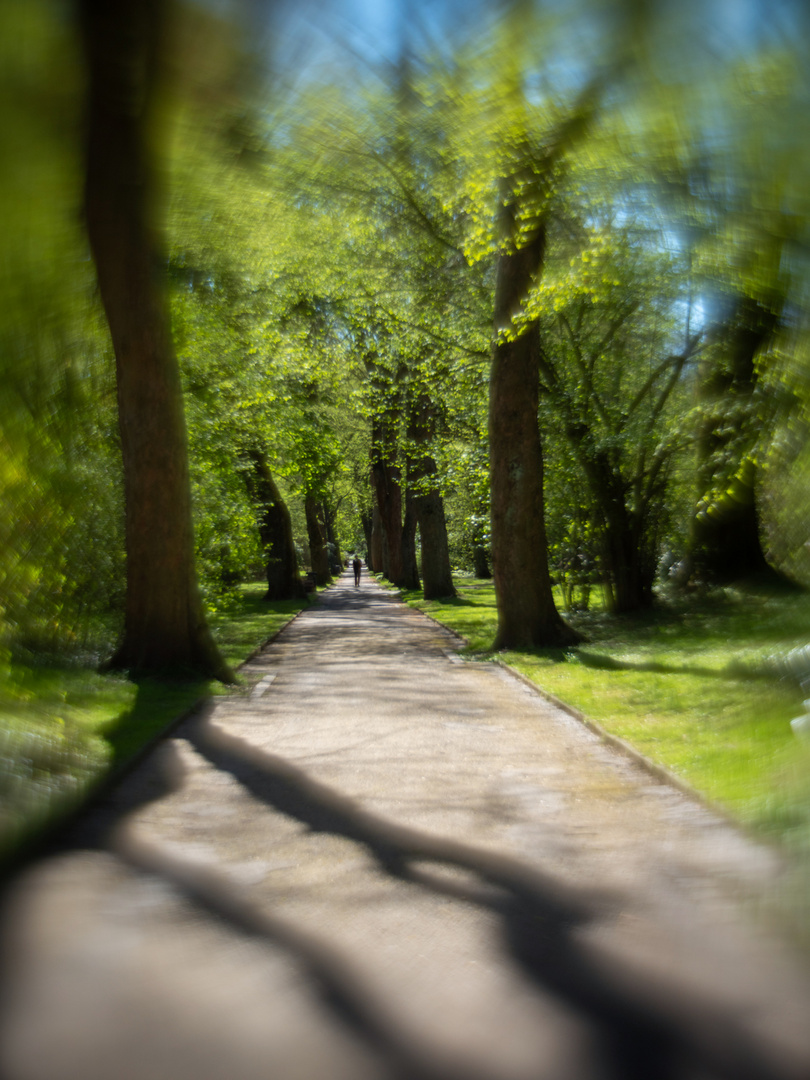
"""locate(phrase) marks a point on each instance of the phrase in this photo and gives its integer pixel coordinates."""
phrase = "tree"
(318, 552)
(527, 615)
(61, 547)
(424, 492)
(275, 530)
(404, 293)
(726, 541)
(612, 370)
(727, 155)
(395, 547)
(386, 483)
(165, 628)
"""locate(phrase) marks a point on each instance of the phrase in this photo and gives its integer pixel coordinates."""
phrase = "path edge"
(659, 772)
(52, 833)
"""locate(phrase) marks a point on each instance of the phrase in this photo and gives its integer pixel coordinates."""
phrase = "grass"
(702, 686)
(64, 727)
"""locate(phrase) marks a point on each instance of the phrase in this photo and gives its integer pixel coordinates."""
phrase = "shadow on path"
(642, 1028)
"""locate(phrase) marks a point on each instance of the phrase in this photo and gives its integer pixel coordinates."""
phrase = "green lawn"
(700, 686)
(63, 726)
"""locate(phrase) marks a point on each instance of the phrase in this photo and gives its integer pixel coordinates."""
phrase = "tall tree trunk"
(437, 577)
(317, 542)
(386, 482)
(410, 568)
(375, 551)
(628, 561)
(165, 630)
(527, 616)
(628, 542)
(275, 531)
(335, 561)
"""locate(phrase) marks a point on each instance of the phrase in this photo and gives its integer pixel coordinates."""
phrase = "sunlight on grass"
(696, 686)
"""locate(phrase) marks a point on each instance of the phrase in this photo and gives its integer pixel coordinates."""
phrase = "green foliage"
(466, 468)
(332, 258)
(615, 379)
(61, 563)
(367, 223)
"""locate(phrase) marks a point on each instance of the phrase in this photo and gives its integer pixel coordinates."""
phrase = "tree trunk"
(422, 471)
(527, 616)
(335, 561)
(628, 543)
(375, 551)
(317, 544)
(275, 531)
(386, 482)
(628, 562)
(165, 630)
(437, 576)
(726, 544)
(410, 568)
(481, 567)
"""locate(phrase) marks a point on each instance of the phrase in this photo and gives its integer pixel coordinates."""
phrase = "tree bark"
(410, 568)
(527, 616)
(481, 567)
(628, 535)
(375, 551)
(629, 562)
(386, 482)
(165, 630)
(318, 556)
(437, 577)
(335, 560)
(275, 531)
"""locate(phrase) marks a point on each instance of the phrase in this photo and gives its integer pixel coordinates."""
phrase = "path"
(381, 863)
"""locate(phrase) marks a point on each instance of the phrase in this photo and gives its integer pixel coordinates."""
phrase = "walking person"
(356, 564)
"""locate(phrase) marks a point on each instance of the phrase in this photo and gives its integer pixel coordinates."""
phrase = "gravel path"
(380, 863)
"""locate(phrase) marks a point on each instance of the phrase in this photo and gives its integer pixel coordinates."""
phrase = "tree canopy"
(525, 291)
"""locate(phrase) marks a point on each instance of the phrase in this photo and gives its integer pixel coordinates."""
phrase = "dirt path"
(380, 863)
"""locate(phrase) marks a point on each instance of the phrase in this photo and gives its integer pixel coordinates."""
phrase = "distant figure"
(356, 564)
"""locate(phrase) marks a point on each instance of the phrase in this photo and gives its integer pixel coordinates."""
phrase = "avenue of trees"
(520, 295)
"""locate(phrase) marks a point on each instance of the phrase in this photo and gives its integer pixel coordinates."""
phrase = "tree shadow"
(610, 663)
(159, 705)
(557, 654)
(641, 1026)
(456, 601)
